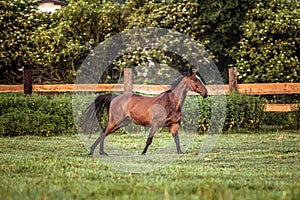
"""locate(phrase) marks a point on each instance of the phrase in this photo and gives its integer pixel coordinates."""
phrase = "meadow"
(260, 165)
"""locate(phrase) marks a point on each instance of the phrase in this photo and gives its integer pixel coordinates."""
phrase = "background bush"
(296, 116)
(35, 115)
(53, 115)
(54, 45)
(242, 111)
(290, 120)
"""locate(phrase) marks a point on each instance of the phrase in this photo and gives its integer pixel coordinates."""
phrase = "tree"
(214, 24)
(260, 38)
(269, 49)
(18, 20)
(73, 32)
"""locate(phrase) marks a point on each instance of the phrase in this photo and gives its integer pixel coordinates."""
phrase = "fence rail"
(269, 88)
(279, 107)
(252, 89)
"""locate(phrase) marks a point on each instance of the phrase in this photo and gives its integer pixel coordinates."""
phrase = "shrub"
(53, 115)
(242, 111)
(290, 120)
(296, 116)
(196, 112)
(283, 120)
(35, 115)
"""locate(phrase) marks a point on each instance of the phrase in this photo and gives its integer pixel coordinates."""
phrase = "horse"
(163, 110)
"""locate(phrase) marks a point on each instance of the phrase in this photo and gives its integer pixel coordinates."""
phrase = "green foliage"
(260, 38)
(196, 113)
(73, 32)
(179, 16)
(46, 116)
(296, 116)
(212, 24)
(284, 120)
(221, 20)
(242, 111)
(269, 47)
(35, 115)
(18, 20)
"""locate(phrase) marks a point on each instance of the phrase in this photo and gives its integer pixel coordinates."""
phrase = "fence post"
(27, 80)
(128, 80)
(232, 77)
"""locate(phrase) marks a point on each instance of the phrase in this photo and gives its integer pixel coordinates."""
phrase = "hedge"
(285, 120)
(36, 115)
(242, 111)
(53, 115)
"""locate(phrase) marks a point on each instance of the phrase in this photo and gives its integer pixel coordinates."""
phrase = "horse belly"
(140, 118)
(146, 111)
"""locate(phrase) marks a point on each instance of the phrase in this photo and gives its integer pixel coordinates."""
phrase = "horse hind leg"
(100, 140)
(110, 128)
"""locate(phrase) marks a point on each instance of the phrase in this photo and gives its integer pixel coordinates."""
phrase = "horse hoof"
(91, 153)
(180, 152)
(103, 154)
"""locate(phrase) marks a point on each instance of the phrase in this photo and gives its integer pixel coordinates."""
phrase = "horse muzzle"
(205, 95)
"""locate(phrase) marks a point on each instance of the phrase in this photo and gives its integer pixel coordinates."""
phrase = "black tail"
(95, 110)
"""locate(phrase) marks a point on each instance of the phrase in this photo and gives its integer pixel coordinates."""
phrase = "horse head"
(195, 83)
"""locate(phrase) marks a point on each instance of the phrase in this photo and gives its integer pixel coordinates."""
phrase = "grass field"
(263, 165)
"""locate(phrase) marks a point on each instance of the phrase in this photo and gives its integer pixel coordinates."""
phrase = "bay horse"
(163, 110)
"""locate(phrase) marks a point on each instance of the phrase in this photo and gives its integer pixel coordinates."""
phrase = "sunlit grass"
(241, 166)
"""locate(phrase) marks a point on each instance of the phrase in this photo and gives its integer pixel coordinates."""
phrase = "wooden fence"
(251, 89)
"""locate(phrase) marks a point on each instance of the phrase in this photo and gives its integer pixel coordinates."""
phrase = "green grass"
(264, 165)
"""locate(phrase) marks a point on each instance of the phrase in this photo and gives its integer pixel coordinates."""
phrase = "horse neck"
(180, 92)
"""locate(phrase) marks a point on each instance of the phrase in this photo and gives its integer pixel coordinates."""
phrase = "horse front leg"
(174, 130)
(177, 142)
(149, 139)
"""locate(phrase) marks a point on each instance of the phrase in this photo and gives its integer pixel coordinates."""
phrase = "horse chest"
(173, 118)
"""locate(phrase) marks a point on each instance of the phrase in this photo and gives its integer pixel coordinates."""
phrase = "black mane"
(176, 82)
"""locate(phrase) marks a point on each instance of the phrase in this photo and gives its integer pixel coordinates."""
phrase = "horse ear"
(191, 71)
